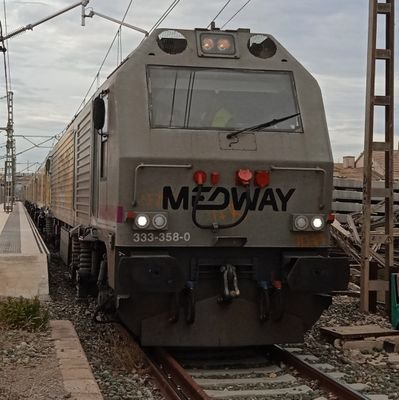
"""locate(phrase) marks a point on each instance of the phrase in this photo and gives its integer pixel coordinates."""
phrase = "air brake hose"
(217, 226)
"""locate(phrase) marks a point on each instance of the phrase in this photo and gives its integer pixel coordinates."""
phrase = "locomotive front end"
(225, 182)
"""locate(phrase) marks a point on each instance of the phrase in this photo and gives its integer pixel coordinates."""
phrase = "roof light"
(142, 221)
(199, 177)
(207, 44)
(217, 44)
(224, 44)
(262, 178)
(244, 177)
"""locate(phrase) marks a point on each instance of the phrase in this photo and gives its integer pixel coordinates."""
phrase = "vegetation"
(20, 313)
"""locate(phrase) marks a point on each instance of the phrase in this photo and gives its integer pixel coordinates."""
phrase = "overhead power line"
(220, 11)
(33, 147)
(96, 77)
(234, 15)
(117, 35)
(165, 15)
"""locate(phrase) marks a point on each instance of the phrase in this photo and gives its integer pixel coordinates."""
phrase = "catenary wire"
(104, 59)
(234, 15)
(159, 21)
(30, 148)
(220, 11)
(165, 15)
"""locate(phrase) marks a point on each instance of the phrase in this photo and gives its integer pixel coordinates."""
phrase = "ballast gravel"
(372, 367)
(117, 365)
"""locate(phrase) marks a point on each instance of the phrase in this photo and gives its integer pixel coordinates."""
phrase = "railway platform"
(23, 256)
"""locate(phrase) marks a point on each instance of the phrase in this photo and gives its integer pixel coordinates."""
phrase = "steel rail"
(171, 370)
(162, 376)
(342, 390)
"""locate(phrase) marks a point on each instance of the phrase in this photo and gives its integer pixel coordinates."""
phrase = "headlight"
(317, 223)
(159, 221)
(301, 222)
(207, 44)
(142, 221)
(224, 45)
(217, 44)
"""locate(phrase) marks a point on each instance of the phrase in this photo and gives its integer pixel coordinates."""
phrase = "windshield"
(192, 98)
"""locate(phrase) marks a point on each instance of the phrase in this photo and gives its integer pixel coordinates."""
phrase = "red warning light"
(262, 178)
(244, 177)
(215, 177)
(331, 218)
(199, 177)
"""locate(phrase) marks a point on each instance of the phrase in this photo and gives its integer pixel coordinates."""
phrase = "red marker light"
(277, 284)
(215, 176)
(130, 215)
(244, 177)
(330, 218)
(199, 177)
(262, 178)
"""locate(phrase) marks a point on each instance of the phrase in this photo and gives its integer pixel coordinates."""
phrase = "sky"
(53, 66)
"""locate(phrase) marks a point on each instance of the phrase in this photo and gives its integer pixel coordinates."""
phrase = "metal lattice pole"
(9, 168)
(373, 100)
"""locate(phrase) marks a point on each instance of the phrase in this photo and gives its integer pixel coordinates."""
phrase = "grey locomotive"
(194, 191)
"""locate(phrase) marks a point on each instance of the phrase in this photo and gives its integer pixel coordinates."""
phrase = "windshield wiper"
(260, 126)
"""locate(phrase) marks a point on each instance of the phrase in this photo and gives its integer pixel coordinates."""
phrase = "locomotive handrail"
(144, 165)
(315, 169)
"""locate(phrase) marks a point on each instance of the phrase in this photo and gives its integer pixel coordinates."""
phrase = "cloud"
(53, 66)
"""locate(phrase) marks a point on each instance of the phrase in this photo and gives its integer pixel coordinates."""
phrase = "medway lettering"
(219, 198)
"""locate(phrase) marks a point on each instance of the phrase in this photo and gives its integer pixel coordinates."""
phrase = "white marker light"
(159, 221)
(317, 223)
(142, 221)
(301, 222)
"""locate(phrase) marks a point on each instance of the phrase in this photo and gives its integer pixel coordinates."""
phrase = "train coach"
(193, 193)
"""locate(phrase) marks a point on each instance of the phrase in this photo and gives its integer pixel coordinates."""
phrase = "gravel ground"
(368, 367)
(28, 367)
(117, 365)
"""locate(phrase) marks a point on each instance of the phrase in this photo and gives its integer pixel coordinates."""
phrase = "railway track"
(248, 374)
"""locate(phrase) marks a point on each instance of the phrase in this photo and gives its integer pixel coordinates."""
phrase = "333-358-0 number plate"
(161, 237)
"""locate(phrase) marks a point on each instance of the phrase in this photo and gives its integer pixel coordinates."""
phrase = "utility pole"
(10, 162)
(369, 283)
